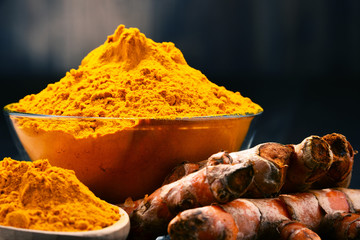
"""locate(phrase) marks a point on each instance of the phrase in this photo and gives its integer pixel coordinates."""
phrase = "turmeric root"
(276, 168)
(182, 170)
(220, 183)
(316, 162)
(311, 160)
(293, 230)
(341, 225)
(211, 223)
(186, 168)
(297, 216)
(339, 174)
(270, 162)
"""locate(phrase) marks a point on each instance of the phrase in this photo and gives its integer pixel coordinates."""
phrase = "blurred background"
(300, 60)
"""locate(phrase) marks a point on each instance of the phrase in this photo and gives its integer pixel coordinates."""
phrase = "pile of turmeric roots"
(270, 191)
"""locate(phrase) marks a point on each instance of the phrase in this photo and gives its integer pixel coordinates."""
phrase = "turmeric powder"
(131, 76)
(36, 195)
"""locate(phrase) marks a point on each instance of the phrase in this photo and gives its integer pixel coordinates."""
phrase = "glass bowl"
(125, 162)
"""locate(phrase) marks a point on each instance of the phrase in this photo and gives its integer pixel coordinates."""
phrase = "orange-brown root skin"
(206, 223)
(293, 230)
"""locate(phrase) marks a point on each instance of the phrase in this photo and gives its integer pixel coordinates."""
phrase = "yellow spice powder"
(36, 195)
(133, 76)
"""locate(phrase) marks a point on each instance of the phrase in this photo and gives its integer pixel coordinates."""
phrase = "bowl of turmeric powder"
(41, 201)
(133, 110)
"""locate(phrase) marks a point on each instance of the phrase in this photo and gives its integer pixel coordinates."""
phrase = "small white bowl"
(119, 231)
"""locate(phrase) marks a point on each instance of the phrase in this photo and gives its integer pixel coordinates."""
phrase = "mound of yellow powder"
(133, 76)
(43, 197)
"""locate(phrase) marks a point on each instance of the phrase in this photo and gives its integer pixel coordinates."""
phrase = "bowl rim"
(122, 224)
(195, 118)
